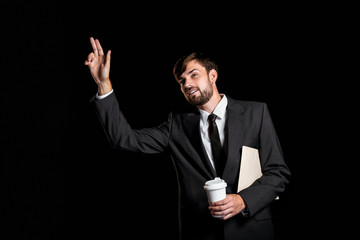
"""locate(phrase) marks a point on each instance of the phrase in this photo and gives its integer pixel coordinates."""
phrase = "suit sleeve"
(122, 136)
(275, 172)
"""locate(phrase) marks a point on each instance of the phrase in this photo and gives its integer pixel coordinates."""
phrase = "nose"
(187, 83)
(186, 86)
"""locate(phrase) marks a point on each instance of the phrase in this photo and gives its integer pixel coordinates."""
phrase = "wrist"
(104, 88)
(244, 210)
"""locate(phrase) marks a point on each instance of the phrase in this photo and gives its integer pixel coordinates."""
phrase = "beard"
(204, 97)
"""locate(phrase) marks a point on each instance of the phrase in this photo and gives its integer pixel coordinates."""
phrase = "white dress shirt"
(220, 112)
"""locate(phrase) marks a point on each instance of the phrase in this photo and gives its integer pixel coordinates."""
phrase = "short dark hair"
(207, 62)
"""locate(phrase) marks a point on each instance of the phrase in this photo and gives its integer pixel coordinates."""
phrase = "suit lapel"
(192, 130)
(234, 138)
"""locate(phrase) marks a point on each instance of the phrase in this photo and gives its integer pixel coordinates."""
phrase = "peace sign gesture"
(99, 66)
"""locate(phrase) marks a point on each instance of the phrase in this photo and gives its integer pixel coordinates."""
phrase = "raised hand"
(99, 66)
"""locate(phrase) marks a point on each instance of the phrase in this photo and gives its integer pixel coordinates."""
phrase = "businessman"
(204, 142)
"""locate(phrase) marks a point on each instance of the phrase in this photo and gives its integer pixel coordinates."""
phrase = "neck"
(212, 103)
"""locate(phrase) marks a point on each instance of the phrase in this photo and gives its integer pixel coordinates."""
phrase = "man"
(189, 137)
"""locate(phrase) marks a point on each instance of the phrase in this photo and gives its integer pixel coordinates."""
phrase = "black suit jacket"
(249, 124)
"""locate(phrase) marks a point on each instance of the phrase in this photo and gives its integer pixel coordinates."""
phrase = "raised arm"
(99, 66)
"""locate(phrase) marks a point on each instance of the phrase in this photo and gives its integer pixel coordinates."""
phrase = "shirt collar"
(219, 111)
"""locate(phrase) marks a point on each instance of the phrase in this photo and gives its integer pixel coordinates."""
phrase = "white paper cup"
(215, 191)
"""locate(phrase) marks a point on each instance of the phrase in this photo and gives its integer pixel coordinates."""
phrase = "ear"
(213, 76)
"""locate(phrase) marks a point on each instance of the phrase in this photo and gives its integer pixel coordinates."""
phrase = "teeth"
(193, 91)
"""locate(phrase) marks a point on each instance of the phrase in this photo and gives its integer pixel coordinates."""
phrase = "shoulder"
(184, 112)
(246, 105)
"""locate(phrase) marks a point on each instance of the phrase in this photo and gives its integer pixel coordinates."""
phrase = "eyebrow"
(194, 69)
(189, 72)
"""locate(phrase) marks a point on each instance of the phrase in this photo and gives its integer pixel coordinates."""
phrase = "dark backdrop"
(60, 178)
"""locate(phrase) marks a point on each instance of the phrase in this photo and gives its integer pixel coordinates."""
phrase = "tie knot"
(212, 118)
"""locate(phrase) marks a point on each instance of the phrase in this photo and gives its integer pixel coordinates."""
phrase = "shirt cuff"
(103, 96)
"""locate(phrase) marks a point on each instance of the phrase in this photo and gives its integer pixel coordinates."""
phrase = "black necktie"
(216, 148)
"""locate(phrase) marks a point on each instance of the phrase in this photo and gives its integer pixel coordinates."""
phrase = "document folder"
(250, 168)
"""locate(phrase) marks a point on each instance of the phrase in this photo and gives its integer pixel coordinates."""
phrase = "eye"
(194, 75)
(181, 81)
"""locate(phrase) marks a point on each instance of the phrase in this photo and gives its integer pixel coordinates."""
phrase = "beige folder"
(250, 168)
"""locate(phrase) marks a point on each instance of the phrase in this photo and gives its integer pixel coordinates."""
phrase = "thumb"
(108, 58)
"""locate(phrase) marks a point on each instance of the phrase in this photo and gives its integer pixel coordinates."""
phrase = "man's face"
(195, 84)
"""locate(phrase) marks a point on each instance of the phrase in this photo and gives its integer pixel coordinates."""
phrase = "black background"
(60, 178)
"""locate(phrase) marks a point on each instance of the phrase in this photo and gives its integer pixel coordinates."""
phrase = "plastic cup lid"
(215, 184)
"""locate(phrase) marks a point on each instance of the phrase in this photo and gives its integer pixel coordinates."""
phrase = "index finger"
(93, 44)
(97, 42)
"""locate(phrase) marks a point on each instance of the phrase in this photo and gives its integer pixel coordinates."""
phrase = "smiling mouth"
(192, 92)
